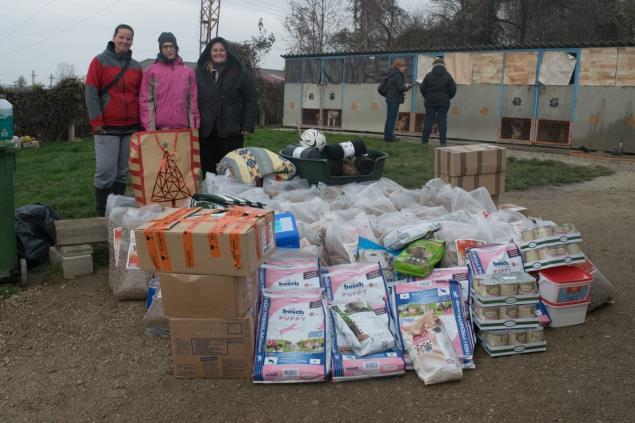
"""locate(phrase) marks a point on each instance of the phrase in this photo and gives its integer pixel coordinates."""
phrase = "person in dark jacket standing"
(112, 99)
(395, 96)
(226, 102)
(437, 89)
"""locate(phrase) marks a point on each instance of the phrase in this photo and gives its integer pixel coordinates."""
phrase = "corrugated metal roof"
(480, 47)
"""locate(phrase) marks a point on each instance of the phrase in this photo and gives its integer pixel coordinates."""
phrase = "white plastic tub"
(565, 285)
(566, 314)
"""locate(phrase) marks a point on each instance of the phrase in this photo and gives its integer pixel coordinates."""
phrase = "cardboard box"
(207, 241)
(212, 348)
(494, 182)
(207, 296)
(474, 159)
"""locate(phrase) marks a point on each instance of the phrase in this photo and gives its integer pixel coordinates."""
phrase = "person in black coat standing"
(437, 88)
(226, 102)
(395, 95)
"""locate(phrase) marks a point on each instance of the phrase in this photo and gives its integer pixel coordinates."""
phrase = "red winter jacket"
(117, 110)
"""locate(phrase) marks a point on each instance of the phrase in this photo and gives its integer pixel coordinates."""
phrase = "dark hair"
(123, 26)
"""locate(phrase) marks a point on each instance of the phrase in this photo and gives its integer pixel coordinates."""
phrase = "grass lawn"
(60, 174)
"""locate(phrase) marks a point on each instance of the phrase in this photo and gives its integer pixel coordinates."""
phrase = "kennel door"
(332, 90)
(556, 78)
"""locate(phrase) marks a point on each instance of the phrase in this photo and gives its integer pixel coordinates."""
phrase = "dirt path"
(70, 352)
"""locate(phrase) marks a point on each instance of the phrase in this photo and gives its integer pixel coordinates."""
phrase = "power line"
(29, 19)
(65, 28)
(256, 7)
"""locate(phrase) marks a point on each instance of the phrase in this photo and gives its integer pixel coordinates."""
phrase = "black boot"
(101, 198)
(119, 188)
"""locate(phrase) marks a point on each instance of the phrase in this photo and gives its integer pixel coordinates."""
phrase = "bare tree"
(20, 83)
(312, 25)
(64, 71)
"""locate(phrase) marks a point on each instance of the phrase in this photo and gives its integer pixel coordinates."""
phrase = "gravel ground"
(70, 352)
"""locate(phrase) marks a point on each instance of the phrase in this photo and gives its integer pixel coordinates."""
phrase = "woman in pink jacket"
(169, 97)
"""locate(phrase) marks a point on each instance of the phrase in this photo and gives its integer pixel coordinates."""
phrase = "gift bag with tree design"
(165, 166)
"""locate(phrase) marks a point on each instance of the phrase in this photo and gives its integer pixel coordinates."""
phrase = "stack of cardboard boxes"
(207, 262)
(473, 166)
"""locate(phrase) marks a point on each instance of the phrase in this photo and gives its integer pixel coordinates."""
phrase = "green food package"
(420, 257)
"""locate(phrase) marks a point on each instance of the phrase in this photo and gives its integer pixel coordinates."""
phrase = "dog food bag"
(413, 301)
(366, 332)
(359, 303)
(490, 259)
(420, 257)
(425, 335)
(291, 340)
(303, 275)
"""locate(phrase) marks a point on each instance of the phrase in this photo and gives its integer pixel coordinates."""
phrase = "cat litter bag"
(291, 340)
(415, 300)
(293, 274)
(363, 344)
(419, 257)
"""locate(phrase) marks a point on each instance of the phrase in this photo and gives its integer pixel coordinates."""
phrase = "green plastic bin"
(317, 170)
(8, 250)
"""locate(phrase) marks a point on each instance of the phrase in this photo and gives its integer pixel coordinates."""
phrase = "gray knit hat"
(166, 37)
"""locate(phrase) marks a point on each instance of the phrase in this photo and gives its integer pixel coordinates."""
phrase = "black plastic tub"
(317, 170)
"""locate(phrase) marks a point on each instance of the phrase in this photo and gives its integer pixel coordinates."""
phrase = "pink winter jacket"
(169, 97)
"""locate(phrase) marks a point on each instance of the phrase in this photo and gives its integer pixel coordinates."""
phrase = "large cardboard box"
(473, 159)
(494, 182)
(207, 241)
(207, 296)
(212, 348)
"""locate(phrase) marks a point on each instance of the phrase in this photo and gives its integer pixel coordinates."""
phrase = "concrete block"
(72, 266)
(80, 231)
(76, 250)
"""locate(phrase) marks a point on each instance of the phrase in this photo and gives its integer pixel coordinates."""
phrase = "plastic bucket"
(565, 284)
(566, 314)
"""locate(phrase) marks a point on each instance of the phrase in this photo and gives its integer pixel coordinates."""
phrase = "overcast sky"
(37, 35)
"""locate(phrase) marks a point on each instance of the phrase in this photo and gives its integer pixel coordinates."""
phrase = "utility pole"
(210, 19)
(33, 75)
(51, 79)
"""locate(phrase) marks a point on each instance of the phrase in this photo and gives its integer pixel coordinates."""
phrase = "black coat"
(396, 86)
(230, 102)
(438, 87)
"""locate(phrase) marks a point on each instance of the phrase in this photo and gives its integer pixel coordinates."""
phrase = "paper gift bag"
(165, 166)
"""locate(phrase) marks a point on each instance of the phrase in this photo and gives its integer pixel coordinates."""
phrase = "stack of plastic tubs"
(564, 291)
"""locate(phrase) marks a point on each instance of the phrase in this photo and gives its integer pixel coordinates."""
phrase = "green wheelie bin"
(8, 251)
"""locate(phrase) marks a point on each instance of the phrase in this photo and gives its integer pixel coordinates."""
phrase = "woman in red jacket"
(112, 98)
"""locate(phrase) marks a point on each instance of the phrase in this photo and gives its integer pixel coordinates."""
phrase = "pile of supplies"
(290, 282)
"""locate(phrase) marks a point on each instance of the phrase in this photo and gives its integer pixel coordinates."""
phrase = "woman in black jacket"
(395, 96)
(226, 102)
(438, 88)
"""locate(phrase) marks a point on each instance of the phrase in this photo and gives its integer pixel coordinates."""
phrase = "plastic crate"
(317, 170)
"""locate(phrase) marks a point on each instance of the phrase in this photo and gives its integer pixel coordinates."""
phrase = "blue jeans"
(431, 112)
(392, 112)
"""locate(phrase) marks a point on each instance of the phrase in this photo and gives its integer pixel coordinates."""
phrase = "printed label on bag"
(133, 258)
(116, 243)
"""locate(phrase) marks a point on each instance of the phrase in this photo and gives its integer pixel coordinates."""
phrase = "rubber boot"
(119, 188)
(101, 198)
